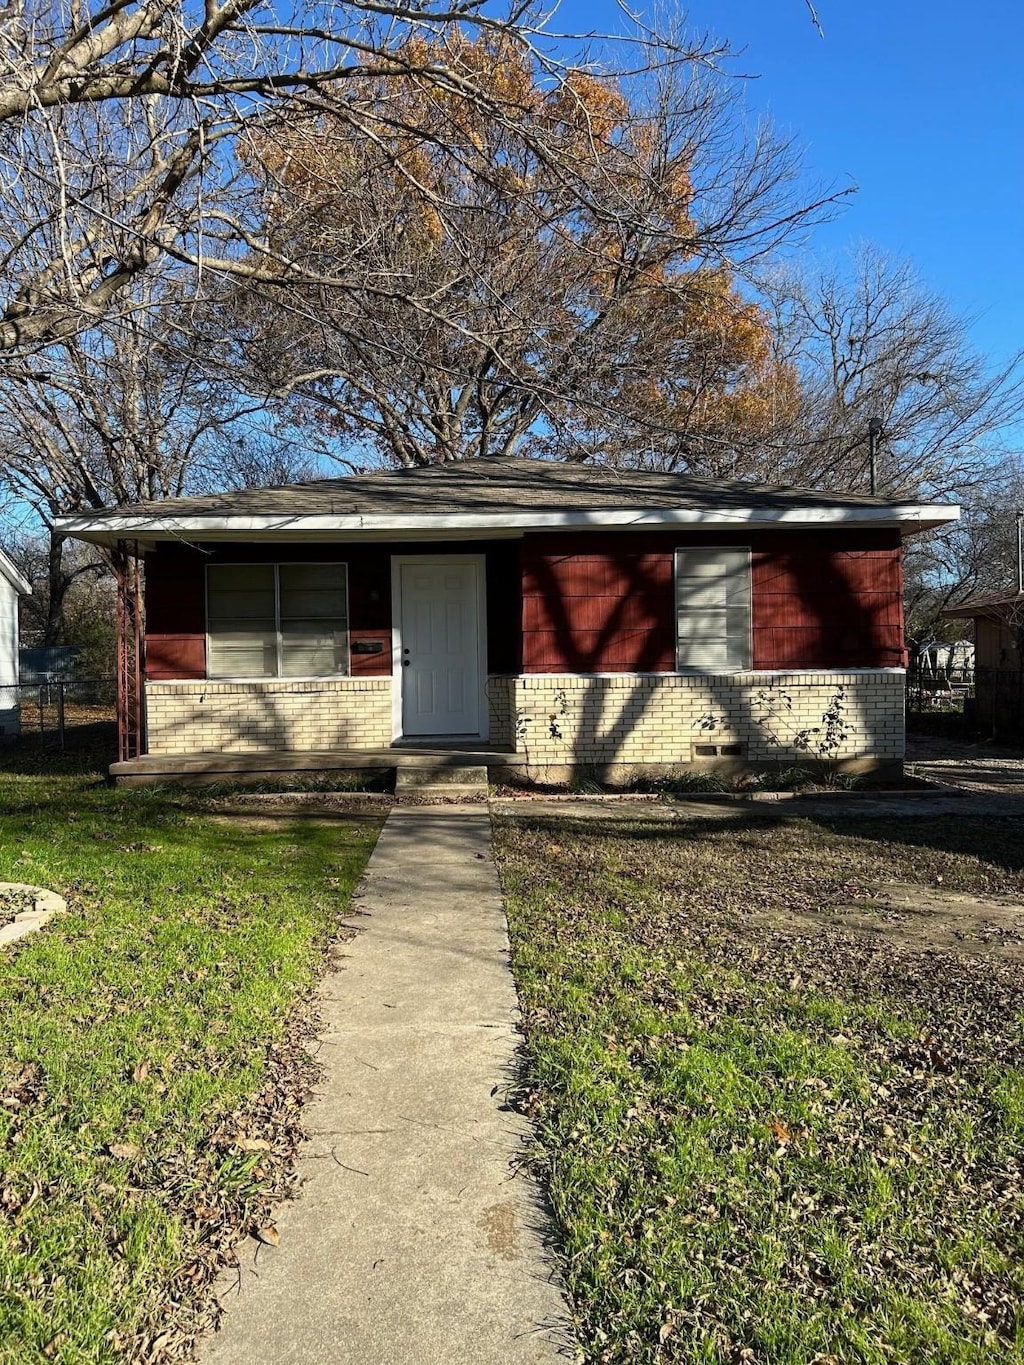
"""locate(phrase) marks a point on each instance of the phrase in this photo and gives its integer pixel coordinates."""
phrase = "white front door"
(440, 635)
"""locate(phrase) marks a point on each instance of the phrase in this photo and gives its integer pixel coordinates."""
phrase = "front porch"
(382, 764)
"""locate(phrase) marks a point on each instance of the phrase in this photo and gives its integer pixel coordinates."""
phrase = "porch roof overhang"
(493, 499)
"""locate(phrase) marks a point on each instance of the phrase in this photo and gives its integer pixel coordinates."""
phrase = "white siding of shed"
(9, 595)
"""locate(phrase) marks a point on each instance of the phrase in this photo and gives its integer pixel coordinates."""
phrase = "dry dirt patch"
(921, 919)
(978, 767)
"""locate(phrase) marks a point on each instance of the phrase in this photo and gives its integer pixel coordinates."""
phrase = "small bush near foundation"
(785, 780)
(793, 779)
(586, 782)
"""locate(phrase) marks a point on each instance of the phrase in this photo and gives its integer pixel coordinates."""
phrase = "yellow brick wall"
(657, 718)
(253, 717)
(553, 722)
(501, 707)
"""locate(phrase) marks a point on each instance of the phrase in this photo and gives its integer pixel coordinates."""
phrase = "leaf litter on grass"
(155, 1059)
(783, 1142)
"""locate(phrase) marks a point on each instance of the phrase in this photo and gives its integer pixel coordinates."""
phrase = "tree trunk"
(57, 585)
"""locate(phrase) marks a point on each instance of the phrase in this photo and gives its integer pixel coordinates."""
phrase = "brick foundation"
(657, 721)
(557, 724)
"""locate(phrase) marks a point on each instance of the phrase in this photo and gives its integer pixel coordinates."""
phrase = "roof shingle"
(490, 486)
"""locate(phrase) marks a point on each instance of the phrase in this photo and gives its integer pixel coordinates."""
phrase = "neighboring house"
(12, 588)
(559, 615)
(998, 659)
(942, 667)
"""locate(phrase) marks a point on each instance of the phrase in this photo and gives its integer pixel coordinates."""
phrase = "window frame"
(277, 565)
(693, 670)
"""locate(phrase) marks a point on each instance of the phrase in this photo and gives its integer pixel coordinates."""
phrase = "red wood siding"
(584, 603)
(175, 615)
(814, 604)
(606, 603)
(597, 608)
(176, 600)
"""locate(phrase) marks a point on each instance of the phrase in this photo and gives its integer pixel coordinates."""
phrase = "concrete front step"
(440, 781)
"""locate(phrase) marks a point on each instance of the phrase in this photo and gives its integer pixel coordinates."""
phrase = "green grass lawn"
(151, 1066)
(767, 1138)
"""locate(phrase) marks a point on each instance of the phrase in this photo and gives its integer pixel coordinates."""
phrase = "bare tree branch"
(454, 285)
(875, 343)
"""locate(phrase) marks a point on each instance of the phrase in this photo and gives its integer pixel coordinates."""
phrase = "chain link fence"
(60, 709)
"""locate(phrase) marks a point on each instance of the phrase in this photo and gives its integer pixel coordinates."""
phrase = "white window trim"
(277, 565)
(714, 672)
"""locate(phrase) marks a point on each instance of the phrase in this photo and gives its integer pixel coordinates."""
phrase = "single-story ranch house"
(556, 615)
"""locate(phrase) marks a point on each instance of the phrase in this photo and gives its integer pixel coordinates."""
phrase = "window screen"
(276, 620)
(713, 610)
(313, 624)
(241, 621)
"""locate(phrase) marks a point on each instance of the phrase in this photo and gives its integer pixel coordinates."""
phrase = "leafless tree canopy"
(567, 283)
(122, 413)
(874, 342)
(976, 555)
(463, 254)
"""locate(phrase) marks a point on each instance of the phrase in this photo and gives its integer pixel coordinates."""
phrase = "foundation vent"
(717, 751)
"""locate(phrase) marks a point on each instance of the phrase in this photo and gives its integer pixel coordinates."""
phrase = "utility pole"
(874, 431)
(1020, 550)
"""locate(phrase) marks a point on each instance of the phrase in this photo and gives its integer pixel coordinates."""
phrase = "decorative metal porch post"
(130, 736)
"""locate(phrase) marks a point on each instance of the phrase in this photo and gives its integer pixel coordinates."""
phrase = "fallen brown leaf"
(780, 1132)
(246, 1144)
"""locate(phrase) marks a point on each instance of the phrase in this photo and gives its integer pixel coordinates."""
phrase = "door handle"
(406, 662)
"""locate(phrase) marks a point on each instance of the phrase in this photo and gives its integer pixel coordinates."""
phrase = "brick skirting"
(615, 722)
(559, 723)
(255, 717)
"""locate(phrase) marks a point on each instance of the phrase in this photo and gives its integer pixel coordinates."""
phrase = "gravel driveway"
(973, 767)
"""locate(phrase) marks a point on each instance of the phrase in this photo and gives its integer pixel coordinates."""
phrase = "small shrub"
(585, 782)
(677, 784)
(793, 779)
(822, 742)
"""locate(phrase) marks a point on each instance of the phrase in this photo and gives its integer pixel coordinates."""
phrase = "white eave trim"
(917, 516)
(16, 579)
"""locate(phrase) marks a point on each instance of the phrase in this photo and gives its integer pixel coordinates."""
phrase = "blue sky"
(920, 104)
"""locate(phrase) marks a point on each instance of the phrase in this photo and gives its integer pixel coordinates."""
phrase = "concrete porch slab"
(196, 769)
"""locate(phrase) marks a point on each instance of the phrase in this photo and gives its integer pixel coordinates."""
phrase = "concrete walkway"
(411, 1240)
